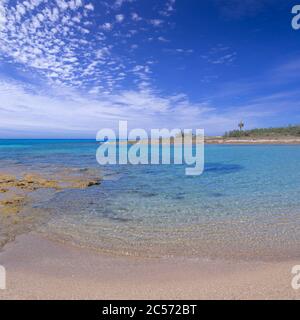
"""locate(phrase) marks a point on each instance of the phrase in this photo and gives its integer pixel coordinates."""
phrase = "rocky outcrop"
(14, 191)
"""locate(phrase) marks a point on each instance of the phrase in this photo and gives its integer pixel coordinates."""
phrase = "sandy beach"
(78, 233)
(38, 268)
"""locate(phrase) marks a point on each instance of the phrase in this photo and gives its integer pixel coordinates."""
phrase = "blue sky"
(71, 67)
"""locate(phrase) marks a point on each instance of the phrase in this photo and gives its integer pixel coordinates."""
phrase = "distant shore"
(223, 140)
(262, 140)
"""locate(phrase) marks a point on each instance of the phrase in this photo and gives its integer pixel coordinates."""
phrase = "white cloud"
(20, 9)
(169, 8)
(62, 4)
(2, 15)
(220, 55)
(227, 58)
(135, 17)
(163, 39)
(119, 3)
(58, 40)
(120, 17)
(65, 110)
(74, 4)
(53, 42)
(89, 6)
(156, 22)
(68, 111)
(106, 26)
(180, 51)
(62, 43)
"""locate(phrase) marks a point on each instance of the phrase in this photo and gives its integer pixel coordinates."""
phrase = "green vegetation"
(290, 131)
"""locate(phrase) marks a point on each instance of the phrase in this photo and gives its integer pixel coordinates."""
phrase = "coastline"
(253, 141)
(38, 268)
(225, 141)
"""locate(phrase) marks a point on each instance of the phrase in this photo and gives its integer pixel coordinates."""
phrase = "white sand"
(41, 269)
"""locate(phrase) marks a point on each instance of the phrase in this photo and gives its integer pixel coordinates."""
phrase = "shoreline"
(222, 141)
(253, 141)
(39, 268)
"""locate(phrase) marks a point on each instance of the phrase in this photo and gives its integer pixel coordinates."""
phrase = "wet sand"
(38, 268)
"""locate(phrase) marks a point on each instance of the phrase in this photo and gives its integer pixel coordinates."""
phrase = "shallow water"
(245, 205)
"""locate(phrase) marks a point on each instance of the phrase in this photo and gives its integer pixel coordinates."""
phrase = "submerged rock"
(12, 205)
(5, 178)
(18, 213)
(16, 191)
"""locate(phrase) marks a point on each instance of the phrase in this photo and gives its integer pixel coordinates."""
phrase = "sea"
(244, 206)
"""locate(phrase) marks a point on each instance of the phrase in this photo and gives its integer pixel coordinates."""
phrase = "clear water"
(246, 205)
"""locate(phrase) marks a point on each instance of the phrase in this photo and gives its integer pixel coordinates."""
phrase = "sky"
(69, 68)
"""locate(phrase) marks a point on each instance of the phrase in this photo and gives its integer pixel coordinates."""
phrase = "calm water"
(246, 205)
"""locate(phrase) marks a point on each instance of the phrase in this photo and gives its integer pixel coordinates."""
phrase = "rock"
(84, 184)
(13, 205)
(32, 181)
(17, 200)
(5, 178)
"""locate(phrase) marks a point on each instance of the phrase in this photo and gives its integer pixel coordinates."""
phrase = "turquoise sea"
(246, 204)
